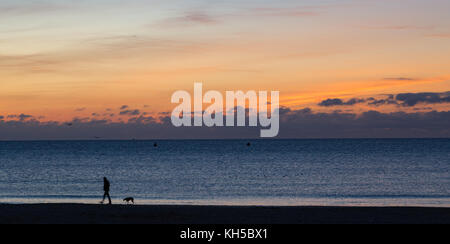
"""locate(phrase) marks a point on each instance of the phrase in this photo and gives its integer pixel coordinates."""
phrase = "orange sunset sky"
(65, 59)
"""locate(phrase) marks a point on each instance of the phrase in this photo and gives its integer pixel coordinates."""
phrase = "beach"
(177, 214)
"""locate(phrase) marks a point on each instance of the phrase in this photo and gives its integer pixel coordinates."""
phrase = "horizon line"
(229, 139)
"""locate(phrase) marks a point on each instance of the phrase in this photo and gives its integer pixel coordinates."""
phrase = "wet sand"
(123, 214)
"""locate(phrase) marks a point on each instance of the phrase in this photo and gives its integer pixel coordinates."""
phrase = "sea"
(326, 172)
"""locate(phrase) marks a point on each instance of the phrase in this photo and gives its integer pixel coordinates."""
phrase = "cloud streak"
(402, 99)
(31, 7)
(190, 18)
(412, 99)
(284, 12)
(131, 112)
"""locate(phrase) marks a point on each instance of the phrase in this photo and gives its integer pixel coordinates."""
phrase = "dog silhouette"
(129, 200)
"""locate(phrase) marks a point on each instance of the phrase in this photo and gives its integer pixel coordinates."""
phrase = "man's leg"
(109, 198)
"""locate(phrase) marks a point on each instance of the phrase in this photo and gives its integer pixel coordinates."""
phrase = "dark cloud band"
(402, 99)
(303, 123)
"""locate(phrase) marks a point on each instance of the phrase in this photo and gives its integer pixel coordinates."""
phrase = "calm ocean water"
(410, 172)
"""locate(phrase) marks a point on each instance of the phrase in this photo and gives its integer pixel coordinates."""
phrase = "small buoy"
(155, 145)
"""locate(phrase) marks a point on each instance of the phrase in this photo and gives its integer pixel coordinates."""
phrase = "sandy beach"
(123, 214)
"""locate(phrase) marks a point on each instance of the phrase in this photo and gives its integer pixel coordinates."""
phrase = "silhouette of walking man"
(106, 186)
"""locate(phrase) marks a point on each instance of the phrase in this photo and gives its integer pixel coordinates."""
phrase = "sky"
(113, 64)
